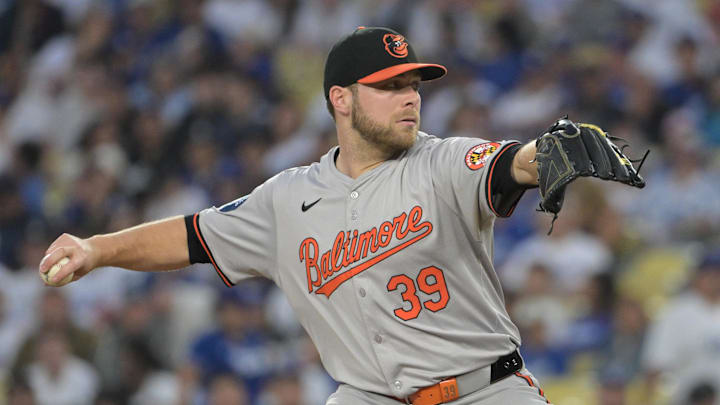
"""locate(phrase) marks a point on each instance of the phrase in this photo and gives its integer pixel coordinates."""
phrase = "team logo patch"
(479, 154)
(396, 45)
(233, 205)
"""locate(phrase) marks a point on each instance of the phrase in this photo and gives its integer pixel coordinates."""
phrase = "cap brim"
(428, 71)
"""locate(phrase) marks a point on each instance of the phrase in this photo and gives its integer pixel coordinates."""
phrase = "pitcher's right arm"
(155, 246)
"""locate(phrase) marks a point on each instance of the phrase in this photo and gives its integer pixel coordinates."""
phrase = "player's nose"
(411, 97)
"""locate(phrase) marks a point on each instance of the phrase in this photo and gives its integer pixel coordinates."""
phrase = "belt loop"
(407, 401)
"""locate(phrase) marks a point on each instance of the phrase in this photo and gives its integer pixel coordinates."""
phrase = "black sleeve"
(197, 253)
(503, 191)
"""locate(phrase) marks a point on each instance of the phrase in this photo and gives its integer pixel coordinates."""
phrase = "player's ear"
(341, 99)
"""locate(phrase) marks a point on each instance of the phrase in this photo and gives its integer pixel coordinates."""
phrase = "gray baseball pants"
(514, 389)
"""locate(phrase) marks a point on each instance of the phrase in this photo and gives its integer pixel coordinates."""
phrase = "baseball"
(47, 277)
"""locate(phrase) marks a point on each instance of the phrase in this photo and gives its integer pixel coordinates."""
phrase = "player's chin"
(406, 128)
(405, 138)
(409, 132)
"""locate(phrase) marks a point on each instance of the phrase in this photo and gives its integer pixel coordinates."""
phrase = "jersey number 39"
(430, 280)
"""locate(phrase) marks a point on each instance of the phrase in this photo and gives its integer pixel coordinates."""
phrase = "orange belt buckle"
(440, 393)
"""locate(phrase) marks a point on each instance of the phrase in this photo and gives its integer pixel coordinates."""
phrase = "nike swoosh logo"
(307, 207)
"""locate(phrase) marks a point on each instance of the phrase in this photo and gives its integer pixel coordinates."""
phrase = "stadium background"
(115, 112)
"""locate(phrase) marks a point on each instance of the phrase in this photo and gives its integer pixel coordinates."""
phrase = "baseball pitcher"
(384, 247)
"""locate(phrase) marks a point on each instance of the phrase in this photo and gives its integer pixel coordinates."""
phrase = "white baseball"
(47, 277)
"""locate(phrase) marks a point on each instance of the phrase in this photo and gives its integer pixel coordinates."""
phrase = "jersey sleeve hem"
(196, 252)
(502, 161)
(198, 232)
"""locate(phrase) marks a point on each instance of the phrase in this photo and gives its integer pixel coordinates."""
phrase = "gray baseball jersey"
(391, 274)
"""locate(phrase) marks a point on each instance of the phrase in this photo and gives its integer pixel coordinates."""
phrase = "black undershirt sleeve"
(504, 192)
(195, 248)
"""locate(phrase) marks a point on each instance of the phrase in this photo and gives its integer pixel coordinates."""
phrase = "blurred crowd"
(116, 112)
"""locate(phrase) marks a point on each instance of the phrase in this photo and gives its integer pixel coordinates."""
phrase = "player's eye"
(393, 85)
(415, 86)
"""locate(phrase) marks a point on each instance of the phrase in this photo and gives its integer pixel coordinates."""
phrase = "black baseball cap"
(371, 55)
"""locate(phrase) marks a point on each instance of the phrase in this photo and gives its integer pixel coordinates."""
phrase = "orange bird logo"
(395, 45)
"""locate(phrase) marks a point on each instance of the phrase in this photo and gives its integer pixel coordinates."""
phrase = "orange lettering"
(366, 240)
(347, 257)
(353, 249)
(386, 231)
(337, 251)
(398, 222)
(310, 262)
(350, 247)
(414, 218)
(325, 265)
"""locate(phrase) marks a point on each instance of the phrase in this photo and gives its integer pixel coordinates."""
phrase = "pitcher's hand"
(81, 259)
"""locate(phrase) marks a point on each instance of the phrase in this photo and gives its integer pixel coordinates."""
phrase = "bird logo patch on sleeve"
(479, 154)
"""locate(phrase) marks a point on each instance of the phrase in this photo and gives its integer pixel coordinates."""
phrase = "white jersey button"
(354, 195)
(398, 385)
(378, 339)
(354, 215)
(362, 292)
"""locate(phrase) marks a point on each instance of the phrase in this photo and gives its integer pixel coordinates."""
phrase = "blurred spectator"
(592, 85)
(534, 102)
(336, 16)
(143, 380)
(539, 354)
(711, 112)
(612, 392)
(20, 393)
(56, 377)
(241, 344)
(293, 145)
(88, 208)
(315, 383)
(14, 218)
(141, 325)
(569, 253)
(104, 294)
(446, 111)
(541, 301)
(284, 389)
(688, 84)
(176, 198)
(590, 329)
(19, 296)
(226, 389)
(669, 208)
(585, 14)
(620, 360)
(58, 111)
(55, 317)
(12, 334)
(256, 20)
(191, 298)
(27, 166)
(702, 394)
(671, 21)
(682, 344)
(27, 25)
(20, 286)
(507, 43)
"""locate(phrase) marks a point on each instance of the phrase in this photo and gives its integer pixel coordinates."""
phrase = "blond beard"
(384, 137)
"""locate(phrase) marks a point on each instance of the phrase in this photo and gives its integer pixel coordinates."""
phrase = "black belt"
(453, 388)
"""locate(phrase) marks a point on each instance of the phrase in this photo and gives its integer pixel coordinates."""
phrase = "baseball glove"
(568, 151)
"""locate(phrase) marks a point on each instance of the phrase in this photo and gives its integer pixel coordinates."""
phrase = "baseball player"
(384, 247)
